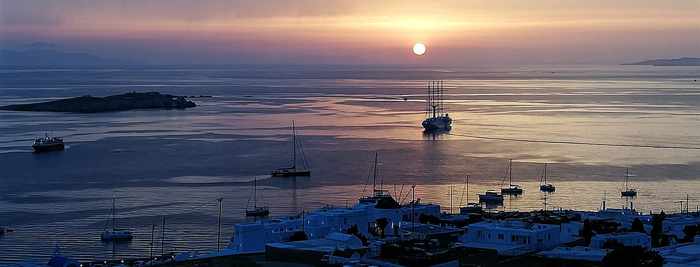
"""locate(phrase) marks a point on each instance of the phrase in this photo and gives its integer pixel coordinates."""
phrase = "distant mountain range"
(47, 54)
(684, 61)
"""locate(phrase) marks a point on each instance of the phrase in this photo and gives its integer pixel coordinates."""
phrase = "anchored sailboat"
(256, 211)
(437, 119)
(629, 192)
(470, 207)
(115, 234)
(544, 186)
(512, 189)
(294, 170)
(379, 196)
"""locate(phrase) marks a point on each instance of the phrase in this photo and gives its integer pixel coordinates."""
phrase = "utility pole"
(450, 199)
(218, 233)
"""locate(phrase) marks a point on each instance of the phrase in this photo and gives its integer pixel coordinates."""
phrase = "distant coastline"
(91, 104)
(684, 61)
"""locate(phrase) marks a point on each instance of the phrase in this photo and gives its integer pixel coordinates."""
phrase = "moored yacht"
(512, 189)
(294, 170)
(115, 234)
(380, 197)
(469, 207)
(256, 211)
(628, 192)
(544, 186)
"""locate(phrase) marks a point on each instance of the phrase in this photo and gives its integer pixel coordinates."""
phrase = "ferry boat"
(628, 192)
(294, 170)
(46, 143)
(256, 211)
(115, 234)
(512, 189)
(544, 186)
(436, 117)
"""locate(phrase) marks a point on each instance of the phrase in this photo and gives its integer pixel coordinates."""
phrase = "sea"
(591, 124)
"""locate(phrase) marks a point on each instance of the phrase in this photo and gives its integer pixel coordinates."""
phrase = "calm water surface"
(176, 163)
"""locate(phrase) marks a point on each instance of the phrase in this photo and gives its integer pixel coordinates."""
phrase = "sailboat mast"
(627, 177)
(545, 173)
(427, 102)
(450, 198)
(255, 193)
(467, 189)
(374, 178)
(294, 147)
(114, 213)
(442, 100)
(510, 172)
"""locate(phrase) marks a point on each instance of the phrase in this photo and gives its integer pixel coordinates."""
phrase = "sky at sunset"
(358, 31)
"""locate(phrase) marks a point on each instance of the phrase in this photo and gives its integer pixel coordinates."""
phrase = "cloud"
(357, 30)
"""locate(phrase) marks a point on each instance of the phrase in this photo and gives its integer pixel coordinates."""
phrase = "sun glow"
(419, 49)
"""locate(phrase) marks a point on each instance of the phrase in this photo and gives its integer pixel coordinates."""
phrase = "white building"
(628, 239)
(427, 209)
(570, 231)
(675, 223)
(321, 222)
(624, 217)
(576, 253)
(511, 237)
(252, 237)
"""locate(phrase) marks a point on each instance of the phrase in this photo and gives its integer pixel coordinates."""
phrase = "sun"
(419, 49)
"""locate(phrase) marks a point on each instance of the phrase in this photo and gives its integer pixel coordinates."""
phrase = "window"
(500, 236)
(518, 239)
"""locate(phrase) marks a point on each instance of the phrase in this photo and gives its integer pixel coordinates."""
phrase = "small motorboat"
(258, 212)
(46, 144)
(629, 193)
(116, 235)
(491, 197)
(548, 188)
(512, 189)
(471, 208)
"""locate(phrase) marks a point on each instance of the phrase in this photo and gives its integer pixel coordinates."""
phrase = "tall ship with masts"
(295, 170)
(436, 117)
